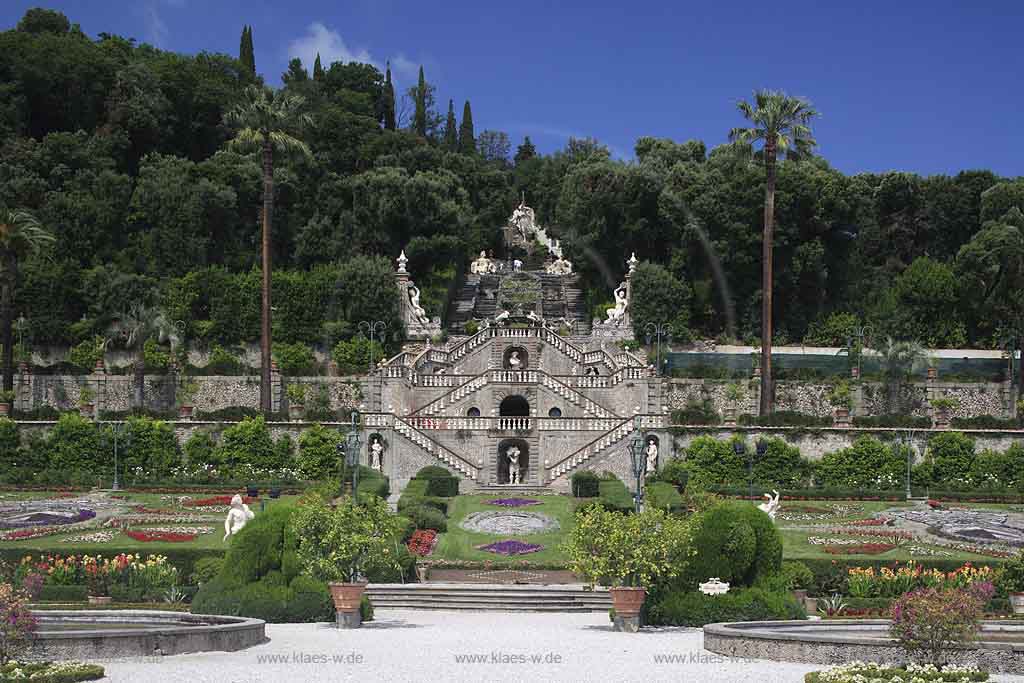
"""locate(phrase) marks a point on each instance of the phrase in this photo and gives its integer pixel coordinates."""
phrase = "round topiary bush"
(735, 542)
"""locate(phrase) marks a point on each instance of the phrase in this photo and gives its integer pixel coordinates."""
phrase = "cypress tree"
(246, 54)
(318, 69)
(467, 142)
(451, 133)
(389, 101)
(420, 120)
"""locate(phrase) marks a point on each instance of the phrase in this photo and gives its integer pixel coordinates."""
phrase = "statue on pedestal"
(237, 517)
(482, 265)
(652, 456)
(418, 312)
(512, 453)
(616, 313)
(377, 454)
(771, 505)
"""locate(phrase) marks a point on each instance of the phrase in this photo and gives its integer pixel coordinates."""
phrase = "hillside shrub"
(584, 484)
(294, 359)
(248, 442)
(440, 482)
(715, 462)
(950, 455)
(318, 452)
(675, 472)
(10, 442)
(781, 466)
(149, 449)
(867, 463)
(74, 444)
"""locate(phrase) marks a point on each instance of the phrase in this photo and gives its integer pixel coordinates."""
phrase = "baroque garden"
(284, 370)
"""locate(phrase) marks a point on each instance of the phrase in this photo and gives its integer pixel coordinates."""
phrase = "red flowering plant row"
(164, 536)
(875, 521)
(422, 542)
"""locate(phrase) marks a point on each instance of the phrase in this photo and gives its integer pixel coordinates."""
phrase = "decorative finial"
(402, 260)
(632, 262)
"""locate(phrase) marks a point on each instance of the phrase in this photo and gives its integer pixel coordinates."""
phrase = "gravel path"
(405, 645)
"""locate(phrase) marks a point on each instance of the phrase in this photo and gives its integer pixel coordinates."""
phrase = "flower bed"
(94, 537)
(510, 547)
(513, 502)
(148, 536)
(51, 519)
(859, 549)
(876, 673)
(50, 672)
(890, 582)
(422, 542)
(875, 521)
(35, 532)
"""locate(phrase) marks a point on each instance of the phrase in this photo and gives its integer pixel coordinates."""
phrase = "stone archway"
(514, 406)
(503, 461)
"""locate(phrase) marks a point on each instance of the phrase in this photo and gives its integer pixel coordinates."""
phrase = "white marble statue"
(501, 318)
(535, 319)
(512, 453)
(560, 266)
(524, 220)
(652, 456)
(238, 516)
(517, 265)
(418, 312)
(616, 313)
(514, 361)
(771, 505)
(377, 454)
(482, 265)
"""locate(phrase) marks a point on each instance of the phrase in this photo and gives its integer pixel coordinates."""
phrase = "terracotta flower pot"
(296, 411)
(99, 599)
(5, 408)
(85, 410)
(347, 596)
(1017, 602)
(185, 412)
(628, 601)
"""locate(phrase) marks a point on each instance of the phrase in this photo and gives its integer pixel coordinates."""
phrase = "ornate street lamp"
(639, 462)
(908, 441)
(658, 330)
(375, 330)
(116, 429)
(863, 336)
(349, 448)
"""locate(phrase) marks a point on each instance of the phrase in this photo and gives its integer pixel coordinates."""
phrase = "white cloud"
(404, 68)
(156, 29)
(329, 45)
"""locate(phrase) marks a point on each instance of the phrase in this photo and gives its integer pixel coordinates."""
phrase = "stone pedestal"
(626, 624)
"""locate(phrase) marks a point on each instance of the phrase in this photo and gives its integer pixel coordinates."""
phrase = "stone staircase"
(560, 295)
(590, 408)
(460, 392)
(488, 597)
(593, 449)
(435, 449)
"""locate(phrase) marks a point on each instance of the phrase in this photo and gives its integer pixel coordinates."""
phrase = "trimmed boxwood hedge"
(68, 593)
(693, 608)
(614, 495)
(585, 484)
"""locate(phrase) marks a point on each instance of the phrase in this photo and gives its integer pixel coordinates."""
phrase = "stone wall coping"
(204, 623)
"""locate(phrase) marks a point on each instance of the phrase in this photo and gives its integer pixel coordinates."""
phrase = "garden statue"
(501, 318)
(418, 312)
(771, 505)
(238, 516)
(535, 319)
(560, 266)
(616, 314)
(377, 454)
(514, 362)
(517, 265)
(652, 456)
(482, 265)
(512, 453)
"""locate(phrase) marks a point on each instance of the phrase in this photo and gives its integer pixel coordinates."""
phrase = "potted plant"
(942, 406)
(188, 387)
(840, 399)
(336, 544)
(626, 553)
(6, 399)
(296, 400)
(85, 401)
(733, 394)
(1011, 579)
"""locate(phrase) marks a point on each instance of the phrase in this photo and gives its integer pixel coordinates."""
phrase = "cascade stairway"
(560, 297)
(488, 597)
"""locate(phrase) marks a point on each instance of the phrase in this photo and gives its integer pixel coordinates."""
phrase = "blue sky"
(927, 86)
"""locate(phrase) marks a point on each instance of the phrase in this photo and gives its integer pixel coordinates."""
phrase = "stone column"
(402, 283)
(23, 388)
(98, 382)
(275, 387)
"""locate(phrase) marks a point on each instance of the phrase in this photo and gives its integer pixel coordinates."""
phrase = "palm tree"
(21, 234)
(782, 124)
(900, 360)
(266, 120)
(133, 329)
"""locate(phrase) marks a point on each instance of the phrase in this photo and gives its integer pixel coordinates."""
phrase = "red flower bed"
(422, 542)
(880, 521)
(169, 537)
(934, 504)
(860, 549)
(215, 500)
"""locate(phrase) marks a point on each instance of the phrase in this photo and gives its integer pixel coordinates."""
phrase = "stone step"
(489, 597)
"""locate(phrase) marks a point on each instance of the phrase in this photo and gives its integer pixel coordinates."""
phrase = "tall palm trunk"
(268, 205)
(7, 313)
(767, 387)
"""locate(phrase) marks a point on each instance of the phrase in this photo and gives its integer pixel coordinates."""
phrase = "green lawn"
(457, 544)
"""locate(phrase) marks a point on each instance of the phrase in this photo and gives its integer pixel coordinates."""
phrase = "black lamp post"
(375, 330)
(116, 428)
(639, 462)
(350, 448)
(760, 450)
(658, 330)
(908, 441)
(863, 335)
(740, 449)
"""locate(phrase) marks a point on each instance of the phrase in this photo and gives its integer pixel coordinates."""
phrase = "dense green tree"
(266, 120)
(21, 234)
(659, 299)
(38, 20)
(782, 124)
(467, 140)
(318, 69)
(132, 329)
(525, 151)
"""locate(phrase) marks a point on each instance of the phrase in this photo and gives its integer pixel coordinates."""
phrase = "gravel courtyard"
(404, 645)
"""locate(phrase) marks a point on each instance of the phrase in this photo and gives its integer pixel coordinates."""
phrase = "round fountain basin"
(92, 634)
(999, 648)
